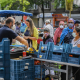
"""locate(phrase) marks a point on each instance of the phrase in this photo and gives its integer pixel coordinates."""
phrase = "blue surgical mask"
(70, 25)
(74, 34)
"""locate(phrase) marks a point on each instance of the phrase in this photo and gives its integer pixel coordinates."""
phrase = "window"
(46, 5)
(34, 7)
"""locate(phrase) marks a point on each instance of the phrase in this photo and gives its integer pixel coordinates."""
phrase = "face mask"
(70, 25)
(74, 34)
(61, 26)
(46, 34)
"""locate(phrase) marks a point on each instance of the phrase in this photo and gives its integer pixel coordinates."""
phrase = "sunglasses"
(70, 22)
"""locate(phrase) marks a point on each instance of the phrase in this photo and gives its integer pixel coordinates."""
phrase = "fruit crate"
(57, 56)
(74, 55)
(57, 53)
(43, 50)
(2, 75)
(21, 65)
(25, 75)
(38, 71)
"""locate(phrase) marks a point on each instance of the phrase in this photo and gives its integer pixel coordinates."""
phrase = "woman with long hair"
(31, 33)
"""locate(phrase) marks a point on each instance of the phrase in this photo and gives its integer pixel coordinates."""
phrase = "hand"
(25, 37)
(78, 45)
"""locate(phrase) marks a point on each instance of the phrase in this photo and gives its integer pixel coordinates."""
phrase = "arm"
(55, 37)
(21, 40)
(32, 38)
(35, 35)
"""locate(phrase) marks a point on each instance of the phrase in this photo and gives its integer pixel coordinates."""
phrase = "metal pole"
(67, 72)
(22, 8)
(41, 70)
(69, 13)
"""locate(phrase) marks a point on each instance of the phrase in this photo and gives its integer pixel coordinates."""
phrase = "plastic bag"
(51, 72)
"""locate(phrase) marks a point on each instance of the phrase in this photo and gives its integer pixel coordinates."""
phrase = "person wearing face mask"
(7, 32)
(47, 37)
(76, 42)
(66, 36)
(76, 35)
(58, 32)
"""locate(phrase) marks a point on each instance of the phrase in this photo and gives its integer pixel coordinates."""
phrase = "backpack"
(68, 38)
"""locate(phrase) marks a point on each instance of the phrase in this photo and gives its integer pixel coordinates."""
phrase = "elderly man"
(48, 25)
(7, 32)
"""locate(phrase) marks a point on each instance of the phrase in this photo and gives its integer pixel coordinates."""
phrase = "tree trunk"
(22, 8)
(43, 10)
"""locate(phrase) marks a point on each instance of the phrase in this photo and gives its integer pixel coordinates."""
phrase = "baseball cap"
(47, 21)
(76, 21)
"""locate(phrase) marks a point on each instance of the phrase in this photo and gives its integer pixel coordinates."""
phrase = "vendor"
(7, 32)
(31, 33)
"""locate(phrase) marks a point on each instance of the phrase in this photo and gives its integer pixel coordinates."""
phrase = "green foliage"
(14, 4)
(58, 2)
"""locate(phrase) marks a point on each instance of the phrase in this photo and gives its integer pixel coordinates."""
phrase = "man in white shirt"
(48, 25)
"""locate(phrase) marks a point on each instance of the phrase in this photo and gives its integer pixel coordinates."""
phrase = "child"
(47, 37)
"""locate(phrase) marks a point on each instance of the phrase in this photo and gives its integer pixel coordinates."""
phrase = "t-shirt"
(6, 32)
(75, 43)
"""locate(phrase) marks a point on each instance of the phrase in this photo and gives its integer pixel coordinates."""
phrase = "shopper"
(76, 23)
(58, 32)
(76, 42)
(18, 28)
(7, 32)
(23, 26)
(31, 33)
(66, 36)
(51, 23)
(76, 35)
(48, 25)
(14, 26)
(47, 37)
(2, 23)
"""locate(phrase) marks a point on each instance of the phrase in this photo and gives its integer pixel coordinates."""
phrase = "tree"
(40, 3)
(14, 4)
(59, 3)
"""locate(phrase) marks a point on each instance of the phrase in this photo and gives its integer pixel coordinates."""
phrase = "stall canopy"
(5, 13)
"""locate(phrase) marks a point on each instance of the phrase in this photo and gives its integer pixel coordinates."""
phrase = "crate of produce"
(1, 60)
(38, 71)
(7, 76)
(57, 56)
(74, 56)
(57, 53)
(29, 75)
(57, 48)
(29, 63)
(25, 75)
(2, 75)
(43, 50)
(21, 65)
(16, 65)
